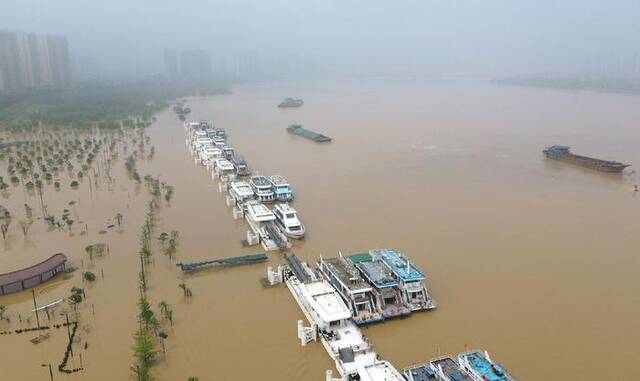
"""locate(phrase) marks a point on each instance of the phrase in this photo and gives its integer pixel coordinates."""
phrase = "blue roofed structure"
(398, 264)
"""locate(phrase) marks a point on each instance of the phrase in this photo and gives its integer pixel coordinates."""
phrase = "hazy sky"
(468, 37)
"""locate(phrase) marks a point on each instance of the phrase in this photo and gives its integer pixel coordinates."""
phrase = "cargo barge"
(562, 153)
(224, 262)
(291, 103)
(297, 129)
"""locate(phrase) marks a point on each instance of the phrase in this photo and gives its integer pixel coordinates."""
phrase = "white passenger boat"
(281, 188)
(262, 188)
(200, 142)
(228, 152)
(330, 318)
(287, 220)
(223, 168)
(241, 191)
(207, 154)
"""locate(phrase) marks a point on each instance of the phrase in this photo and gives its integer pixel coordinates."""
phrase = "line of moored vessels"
(341, 293)
(345, 292)
(249, 192)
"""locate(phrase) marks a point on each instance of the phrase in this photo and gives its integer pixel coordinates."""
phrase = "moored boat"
(242, 168)
(354, 290)
(241, 191)
(223, 168)
(262, 188)
(281, 188)
(481, 368)
(287, 220)
(386, 291)
(414, 292)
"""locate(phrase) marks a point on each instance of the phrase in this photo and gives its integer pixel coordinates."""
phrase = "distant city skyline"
(29, 60)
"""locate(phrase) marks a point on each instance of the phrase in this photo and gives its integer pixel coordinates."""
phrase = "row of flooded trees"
(39, 159)
(150, 333)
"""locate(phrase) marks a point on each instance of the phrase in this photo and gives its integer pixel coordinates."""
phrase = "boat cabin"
(242, 169)
(262, 188)
(327, 306)
(355, 291)
(228, 152)
(241, 191)
(287, 219)
(223, 168)
(414, 293)
(448, 369)
(281, 188)
(386, 288)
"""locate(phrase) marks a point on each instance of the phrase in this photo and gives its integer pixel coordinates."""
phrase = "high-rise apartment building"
(171, 63)
(29, 60)
(195, 63)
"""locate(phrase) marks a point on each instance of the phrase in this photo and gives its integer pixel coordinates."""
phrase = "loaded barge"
(563, 153)
(224, 262)
(297, 129)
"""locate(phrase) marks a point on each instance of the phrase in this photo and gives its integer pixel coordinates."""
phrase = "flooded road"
(533, 260)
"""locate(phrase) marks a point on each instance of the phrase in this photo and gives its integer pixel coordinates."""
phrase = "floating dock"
(331, 324)
(224, 262)
(297, 129)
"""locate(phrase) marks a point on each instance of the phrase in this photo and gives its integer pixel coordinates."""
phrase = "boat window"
(294, 228)
(291, 215)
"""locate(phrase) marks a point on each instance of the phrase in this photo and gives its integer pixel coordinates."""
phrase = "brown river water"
(533, 260)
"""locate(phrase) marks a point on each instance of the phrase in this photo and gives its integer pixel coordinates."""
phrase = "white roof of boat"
(379, 371)
(242, 188)
(260, 213)
(211, 149)
(325, 301)
(224, 164)
(285, 208)
(278, 180)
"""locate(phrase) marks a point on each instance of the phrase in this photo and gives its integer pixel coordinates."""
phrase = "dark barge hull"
(562, 153)
(300, 131)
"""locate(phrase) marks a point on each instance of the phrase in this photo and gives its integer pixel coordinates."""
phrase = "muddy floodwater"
(535, 261)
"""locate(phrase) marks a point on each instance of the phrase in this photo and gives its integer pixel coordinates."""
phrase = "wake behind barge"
(562, 153)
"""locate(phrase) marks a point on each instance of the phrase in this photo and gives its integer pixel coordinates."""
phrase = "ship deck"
(451, 369)
(398, 264)
(374, 271)
(485, 368)
(420, 373)
(346, 274)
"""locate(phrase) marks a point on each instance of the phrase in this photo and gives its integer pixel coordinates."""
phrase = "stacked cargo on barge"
(297, 129)
(563, 153)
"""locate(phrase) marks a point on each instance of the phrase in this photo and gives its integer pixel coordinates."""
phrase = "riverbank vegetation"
(605, 85)
(104, 106)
